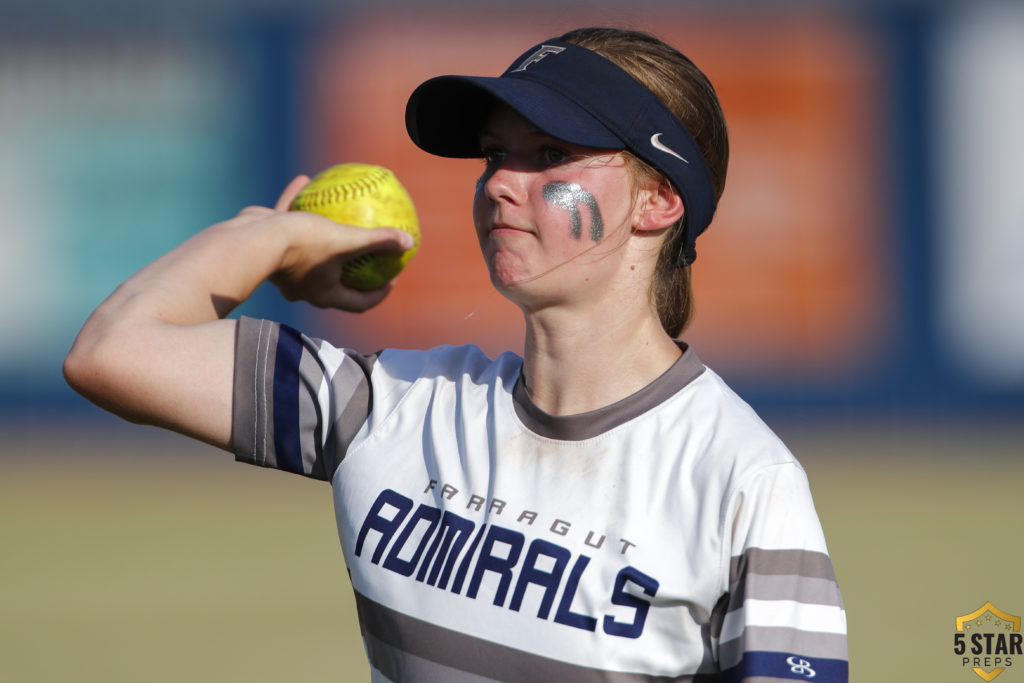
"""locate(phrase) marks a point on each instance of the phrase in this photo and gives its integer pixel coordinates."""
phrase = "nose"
(504, 183)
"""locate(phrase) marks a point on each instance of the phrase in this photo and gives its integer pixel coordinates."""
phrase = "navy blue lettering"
(429, 543)
(565, 615)
(460, 576)
(621, 597)
(431, 515)
(502, 566)
(448, 543)
(549, 581)
(377, 522)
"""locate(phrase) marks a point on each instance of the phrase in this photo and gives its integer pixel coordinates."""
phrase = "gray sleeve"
(298, 402)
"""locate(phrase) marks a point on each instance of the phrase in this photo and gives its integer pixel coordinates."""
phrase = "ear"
(659, 207)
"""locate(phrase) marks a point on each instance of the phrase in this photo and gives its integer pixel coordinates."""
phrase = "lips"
(505, 228)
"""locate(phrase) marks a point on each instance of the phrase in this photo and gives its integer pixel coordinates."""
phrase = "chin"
(517, 288)
(506, 270)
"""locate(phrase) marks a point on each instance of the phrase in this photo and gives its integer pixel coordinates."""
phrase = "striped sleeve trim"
(815, 591)
(298, 404)
(783, 614)
(827, 645)
(405, 648)
(350, 397)
(763, 667)
(255, 351)
(810, 564)
(287, 399)
(784, 617)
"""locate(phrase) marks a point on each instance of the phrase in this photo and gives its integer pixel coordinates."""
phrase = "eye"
(493, 156)
(553, 156)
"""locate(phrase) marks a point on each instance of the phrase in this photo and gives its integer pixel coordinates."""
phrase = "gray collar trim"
(588, 425)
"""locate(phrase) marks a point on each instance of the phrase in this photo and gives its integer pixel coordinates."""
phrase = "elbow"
(104, 367)
(83, 370)
(93, 370)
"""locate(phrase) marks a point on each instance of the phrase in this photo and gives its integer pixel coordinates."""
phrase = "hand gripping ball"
(366, 196)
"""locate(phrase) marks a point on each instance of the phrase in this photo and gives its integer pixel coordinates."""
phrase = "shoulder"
(734, 457)
(440, 372)
(447, 363)
(729, 429)
(766, 500)
(269, 339)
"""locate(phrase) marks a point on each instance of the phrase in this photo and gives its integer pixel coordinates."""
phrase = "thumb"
(386, 240)
(290, 192)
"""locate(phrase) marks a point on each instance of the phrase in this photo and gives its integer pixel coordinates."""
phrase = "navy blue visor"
(576, 95)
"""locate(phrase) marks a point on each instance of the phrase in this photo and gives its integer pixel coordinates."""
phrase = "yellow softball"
(369, 197)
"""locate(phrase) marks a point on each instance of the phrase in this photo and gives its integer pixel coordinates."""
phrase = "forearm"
(158, 350)
(201, 280)
(155, 351)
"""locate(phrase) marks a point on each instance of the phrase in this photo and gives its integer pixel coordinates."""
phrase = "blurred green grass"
(923, 525)
(140, 556)
(134, 555)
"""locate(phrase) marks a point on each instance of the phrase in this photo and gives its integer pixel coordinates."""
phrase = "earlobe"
(660, 208)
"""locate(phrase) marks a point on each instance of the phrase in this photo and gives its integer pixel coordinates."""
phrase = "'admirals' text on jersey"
(453, 553)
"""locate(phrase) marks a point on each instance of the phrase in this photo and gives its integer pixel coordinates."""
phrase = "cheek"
(581, 207)
(481, 208)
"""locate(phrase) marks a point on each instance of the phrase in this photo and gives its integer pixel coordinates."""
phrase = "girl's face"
(543, 205)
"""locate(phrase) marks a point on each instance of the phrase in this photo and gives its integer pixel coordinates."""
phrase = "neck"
(574, 364)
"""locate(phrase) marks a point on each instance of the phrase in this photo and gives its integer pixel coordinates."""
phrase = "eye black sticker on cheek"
(569, 196)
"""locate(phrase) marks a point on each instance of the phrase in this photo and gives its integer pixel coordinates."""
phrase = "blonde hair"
(686, 91)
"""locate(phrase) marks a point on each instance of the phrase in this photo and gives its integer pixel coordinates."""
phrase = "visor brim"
(445, 115)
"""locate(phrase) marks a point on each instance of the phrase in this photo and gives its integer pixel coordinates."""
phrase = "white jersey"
(668, 537)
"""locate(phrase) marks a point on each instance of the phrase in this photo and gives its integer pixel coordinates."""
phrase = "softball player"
(603, 508)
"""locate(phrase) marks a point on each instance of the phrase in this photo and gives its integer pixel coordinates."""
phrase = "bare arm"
(158, 351)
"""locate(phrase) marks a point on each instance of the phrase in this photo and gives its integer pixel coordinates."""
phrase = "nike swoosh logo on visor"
(659, 145)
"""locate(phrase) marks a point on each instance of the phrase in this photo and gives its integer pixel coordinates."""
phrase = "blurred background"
(861, 286)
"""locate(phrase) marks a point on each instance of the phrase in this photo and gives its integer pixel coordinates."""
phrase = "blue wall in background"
(243, 71)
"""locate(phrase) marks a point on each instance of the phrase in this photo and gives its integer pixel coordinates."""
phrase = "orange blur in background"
(792, 259)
